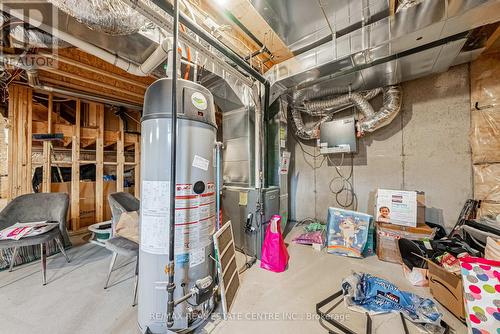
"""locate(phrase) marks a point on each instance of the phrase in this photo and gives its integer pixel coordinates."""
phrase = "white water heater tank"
(195, 213)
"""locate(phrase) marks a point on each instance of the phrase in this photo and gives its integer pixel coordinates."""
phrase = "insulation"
(487, 182)
(326, 108)
(35, 38)
(485, 86)
(485, 135)
(489, 208)
(303, 132)
(354, 99)
(110, 16)
(28, 36)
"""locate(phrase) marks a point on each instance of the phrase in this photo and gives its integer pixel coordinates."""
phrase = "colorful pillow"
(481, 280)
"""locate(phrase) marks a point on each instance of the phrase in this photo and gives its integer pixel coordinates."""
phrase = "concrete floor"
(74, 300)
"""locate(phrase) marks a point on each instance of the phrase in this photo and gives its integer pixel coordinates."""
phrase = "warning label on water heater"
(194, 217)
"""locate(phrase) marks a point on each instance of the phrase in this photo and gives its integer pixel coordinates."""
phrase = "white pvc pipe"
(154, 60)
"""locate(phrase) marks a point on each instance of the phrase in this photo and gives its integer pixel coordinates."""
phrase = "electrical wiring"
(249, 260)
(346, 188)
(345, 196)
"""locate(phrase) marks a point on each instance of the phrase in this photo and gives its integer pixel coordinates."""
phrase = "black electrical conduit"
(173, 160)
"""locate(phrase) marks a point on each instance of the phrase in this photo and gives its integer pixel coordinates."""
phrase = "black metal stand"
(324, 316)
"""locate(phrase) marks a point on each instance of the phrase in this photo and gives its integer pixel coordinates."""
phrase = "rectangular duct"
(418, 26)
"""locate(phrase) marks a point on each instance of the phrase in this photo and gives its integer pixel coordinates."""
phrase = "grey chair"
(37, 207)
(122, 202)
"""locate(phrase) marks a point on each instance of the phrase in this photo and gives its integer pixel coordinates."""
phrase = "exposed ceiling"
(424, 39)
(312, 43)
(300, 23)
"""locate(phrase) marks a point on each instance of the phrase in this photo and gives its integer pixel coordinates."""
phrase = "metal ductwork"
(326, 108)
(126, 52)
(432, 31)
(110, 16)
(25, 36)
(360, 100)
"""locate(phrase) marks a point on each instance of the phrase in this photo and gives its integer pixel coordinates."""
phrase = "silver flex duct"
(312, 105)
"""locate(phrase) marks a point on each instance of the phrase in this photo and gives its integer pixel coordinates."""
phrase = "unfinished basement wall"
(485, 131)
(425, 148)
(4, 153)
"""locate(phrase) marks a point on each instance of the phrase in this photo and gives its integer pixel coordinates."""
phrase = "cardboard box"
(447, 289)
(389, 234)
(420, 208)
(400, 207)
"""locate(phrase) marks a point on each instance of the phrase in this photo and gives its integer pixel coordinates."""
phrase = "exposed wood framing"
(87, 134)
(120, 158)
(20, 141)
(137, 170)
(128, 91)
(47, 157)
(29, 143)
(99, 175)
(393, 5)
(493, 42)
(80, 71)
(75, 170)
(246, 13)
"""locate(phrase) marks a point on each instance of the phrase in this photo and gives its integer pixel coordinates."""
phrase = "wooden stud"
(137, 170)
(19, 147)
(492, 41)
(99, 176)
(92, 89)
(392, 7)
(13, 89)
(257, 25)
(91, 82)
(87, 134)
(120, 157)
(75, 171)
(91, 115)
(21, 157)
(29, 143)
(47, 165)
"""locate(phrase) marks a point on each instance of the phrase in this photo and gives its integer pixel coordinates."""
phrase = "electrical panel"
(338, 136)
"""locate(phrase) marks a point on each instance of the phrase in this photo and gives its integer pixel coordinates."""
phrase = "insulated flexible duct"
(388, 111)
(313, 106)
(308, 132)
(110, 16)
(328, 107)
(356, 99)
(26, 35)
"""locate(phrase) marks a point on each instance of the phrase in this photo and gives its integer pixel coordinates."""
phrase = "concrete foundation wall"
(425, 148)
